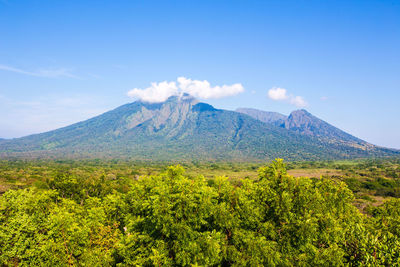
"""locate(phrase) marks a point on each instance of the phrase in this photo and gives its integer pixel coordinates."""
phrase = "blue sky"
(66, 61)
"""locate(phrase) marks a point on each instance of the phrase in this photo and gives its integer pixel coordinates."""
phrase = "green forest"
(121, 213)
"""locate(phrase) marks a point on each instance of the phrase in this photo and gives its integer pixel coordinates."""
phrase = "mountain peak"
(172, 99)
(301, 112)
(303, 122)
(182, 97)
(301, 118)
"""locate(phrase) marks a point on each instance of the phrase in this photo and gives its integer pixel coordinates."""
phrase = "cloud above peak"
(159, 92)
(280, 94)
(203, 89)
(277, 93)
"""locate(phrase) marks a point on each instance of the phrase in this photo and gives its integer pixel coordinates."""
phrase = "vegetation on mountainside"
(185, 129)
(86, 215)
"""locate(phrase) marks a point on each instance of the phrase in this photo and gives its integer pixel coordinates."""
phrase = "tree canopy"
(173, 219)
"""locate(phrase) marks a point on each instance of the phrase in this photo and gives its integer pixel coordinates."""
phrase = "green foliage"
(174, 219)
(39, 228)
(366, 178)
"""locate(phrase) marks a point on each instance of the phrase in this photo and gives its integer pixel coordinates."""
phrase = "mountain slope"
(180, 129)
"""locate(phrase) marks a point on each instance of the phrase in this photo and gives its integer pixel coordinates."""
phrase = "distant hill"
(264, 116)
(303, 122)
(183, 128)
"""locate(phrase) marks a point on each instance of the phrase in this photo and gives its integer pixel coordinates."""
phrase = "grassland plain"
(372, 181)
(121, 213)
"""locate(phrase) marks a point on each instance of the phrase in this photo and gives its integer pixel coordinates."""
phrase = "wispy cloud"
(47, 73)
(280, 94)
(159, 92)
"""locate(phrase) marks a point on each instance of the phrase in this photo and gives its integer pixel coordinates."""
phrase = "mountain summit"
(304, 123)
(182, 128)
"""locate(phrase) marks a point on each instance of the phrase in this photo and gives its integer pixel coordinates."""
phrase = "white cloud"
(48, 73)
(277, 93)
(159, 92)
(298, 101)
(203, 89)
(280, 94)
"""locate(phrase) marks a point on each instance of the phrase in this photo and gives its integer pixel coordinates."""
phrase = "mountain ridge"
(303, 122)
(181, 128)
(274, 118)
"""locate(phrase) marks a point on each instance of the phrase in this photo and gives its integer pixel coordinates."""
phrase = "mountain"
(181, 128)
(304, 123)
(264, 116)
